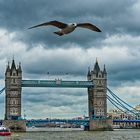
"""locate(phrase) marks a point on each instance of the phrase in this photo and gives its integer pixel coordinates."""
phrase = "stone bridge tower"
(97, 98)
(13, 79)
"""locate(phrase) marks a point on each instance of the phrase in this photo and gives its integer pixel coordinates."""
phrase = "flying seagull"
(67, 28)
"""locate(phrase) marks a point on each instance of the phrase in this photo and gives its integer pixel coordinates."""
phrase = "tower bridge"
(96, 85)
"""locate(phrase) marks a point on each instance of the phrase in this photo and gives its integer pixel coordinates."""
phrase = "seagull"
(67, 28)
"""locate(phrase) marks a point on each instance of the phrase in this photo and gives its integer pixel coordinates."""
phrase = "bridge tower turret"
(97, 98)
(13, 78)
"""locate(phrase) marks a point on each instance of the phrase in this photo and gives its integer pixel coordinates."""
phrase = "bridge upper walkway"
(57, 83)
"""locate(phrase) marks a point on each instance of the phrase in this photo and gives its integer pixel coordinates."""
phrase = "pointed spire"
(96, 60)
(19, 68)
(96, 66)
(13, 56)
(89, 74)
(104, 71)
(13, 66)
(8, 68)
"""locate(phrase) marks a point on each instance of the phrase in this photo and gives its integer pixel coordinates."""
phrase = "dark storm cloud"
(22, 13)
(19, 15)
(129, 73)
(45, 55)
(120, 64)
(55, 97)
(56, 101)
(57, 66)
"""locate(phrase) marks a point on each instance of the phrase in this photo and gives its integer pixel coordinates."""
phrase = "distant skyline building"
(137, 107)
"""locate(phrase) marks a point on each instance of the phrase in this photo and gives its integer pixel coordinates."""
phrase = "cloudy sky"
(40, 51)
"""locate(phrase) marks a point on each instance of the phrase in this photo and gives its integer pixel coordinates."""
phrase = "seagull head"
(73, 24)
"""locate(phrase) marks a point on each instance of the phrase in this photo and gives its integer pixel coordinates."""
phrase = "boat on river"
(4, 131)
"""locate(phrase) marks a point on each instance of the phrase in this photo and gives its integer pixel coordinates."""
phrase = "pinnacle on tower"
(13, 66)
(19, 68)
(96, 67)
(8, 68)
(104, 71)
(89, 74)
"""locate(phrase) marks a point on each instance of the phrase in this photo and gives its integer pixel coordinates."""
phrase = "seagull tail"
(58, 33)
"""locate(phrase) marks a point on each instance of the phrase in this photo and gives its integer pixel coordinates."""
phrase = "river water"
(121, 134)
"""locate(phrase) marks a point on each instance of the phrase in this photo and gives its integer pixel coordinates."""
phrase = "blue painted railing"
(125, 121)
(70, 121)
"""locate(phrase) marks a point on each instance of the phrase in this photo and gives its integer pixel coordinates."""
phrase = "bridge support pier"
(15, 125)
(100, 125)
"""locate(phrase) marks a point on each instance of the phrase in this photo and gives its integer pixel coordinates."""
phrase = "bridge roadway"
(57, 83)
(68, 121)
(126, 121)
(84, 122)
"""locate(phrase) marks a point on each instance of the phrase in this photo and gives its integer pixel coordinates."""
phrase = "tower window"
(14, 93)
(14, 101)
(13, 80)
(13, 111)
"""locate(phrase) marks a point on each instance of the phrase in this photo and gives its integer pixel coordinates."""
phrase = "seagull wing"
(89, 26)
(55, 23)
